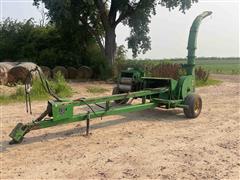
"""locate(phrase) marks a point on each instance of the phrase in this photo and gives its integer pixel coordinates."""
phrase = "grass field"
(214, 65)
(221, 66)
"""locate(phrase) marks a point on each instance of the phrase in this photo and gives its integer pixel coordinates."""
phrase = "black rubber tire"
(194, 101)
(122, 101)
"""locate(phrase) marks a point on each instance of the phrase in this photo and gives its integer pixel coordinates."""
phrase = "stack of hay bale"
(60, 69)
(14, 72)
(19, 72)
(84, 72)
(72, 72)
(46, 71)
(4, 69)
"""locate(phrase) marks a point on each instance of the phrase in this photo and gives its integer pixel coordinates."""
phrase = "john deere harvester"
(132, 84)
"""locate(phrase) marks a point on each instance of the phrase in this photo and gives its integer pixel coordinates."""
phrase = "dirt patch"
(227, 78)
(80, 89)
(152, 144)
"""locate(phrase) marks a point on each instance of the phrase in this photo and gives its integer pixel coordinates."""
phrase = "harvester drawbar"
(153, 92)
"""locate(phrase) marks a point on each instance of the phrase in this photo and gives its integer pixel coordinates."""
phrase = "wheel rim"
(197, 106)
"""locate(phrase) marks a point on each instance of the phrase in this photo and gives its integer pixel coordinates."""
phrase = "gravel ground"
(152, 144)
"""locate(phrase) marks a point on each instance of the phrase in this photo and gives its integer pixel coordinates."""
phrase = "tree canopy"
(49, 46)
(101, 17)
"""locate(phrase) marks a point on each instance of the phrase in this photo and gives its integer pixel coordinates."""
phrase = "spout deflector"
(192, 42)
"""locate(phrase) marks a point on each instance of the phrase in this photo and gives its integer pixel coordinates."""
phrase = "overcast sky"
(218, 36)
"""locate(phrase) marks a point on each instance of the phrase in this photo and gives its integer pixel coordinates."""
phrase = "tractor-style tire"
(194, 102)
(121, 101)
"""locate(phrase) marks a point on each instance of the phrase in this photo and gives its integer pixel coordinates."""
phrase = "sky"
(218, 35)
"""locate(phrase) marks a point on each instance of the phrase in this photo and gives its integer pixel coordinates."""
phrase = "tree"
(16, 39)
(45, 45)
(101, 17)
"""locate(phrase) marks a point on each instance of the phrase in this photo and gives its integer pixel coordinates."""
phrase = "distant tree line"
(184, 59)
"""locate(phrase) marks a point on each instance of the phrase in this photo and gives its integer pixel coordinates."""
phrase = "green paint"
(192, 42)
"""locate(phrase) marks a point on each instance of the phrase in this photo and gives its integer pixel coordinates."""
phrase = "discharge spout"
(192, 42)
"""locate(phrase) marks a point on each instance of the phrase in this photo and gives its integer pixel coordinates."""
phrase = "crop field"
(214, 65)
(219, 66)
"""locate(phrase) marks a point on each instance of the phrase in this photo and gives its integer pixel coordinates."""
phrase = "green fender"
(186, 86)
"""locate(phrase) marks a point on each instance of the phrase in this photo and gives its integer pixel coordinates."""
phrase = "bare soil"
(152, 144)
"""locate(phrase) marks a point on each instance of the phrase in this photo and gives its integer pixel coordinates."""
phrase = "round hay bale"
(85, 72)
(46, 71)
(4, 69)
(7, 65)
(19, 72)
(72, 72)
(60, 69)
(10, 61)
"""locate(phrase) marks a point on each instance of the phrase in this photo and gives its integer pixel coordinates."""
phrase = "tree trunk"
(110, 45)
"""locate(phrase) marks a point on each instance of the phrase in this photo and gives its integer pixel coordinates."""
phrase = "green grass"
(58, 85)
(209, 82)
(96, 90)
